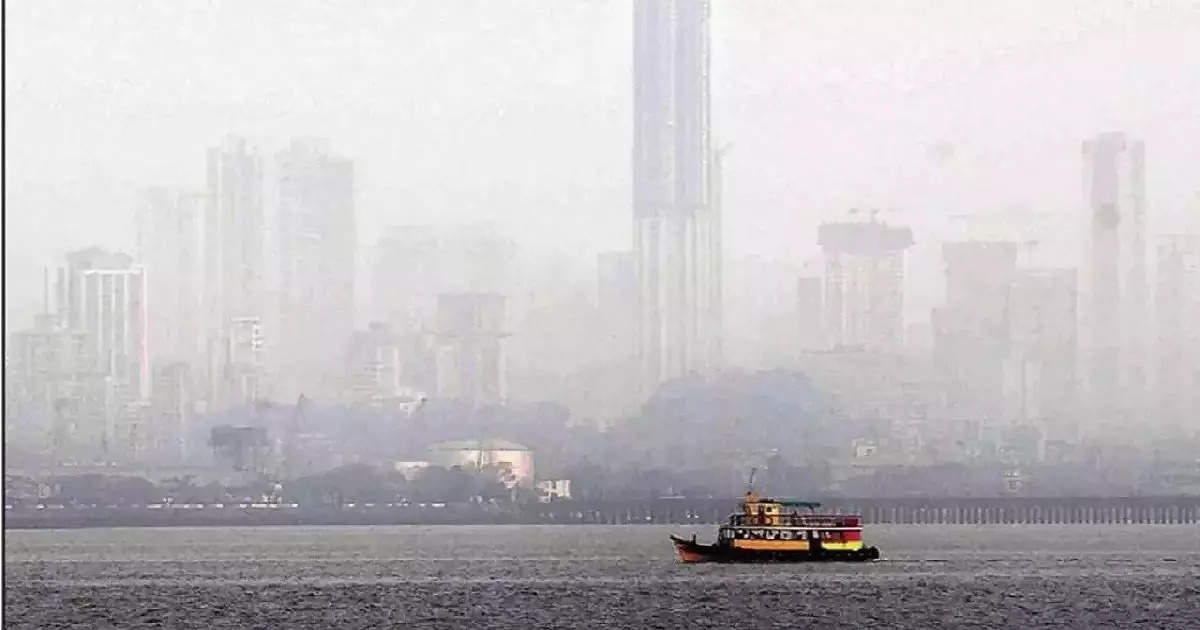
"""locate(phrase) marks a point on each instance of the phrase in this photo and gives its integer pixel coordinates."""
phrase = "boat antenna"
(750, 483)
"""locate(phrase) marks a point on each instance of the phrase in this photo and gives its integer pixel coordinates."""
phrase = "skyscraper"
(973, 331)
(864, 284)
(106, 298)
(234, 231)
(103, 295)
(676, 214)
(1041, 380)
(235, 269)
(1113, 307)
(314, 242)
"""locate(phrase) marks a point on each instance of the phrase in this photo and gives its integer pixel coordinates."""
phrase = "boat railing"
(795, 520)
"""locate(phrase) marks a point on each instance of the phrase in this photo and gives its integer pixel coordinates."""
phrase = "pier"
(1178, 510)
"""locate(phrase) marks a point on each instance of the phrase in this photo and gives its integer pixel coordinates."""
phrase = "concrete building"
(676, 205)
(1041, 370)
(470, 353)
(69, 282)
(864, 284)
(550, 490)
(234, 226)
(376, 371)
(103, 302)
(235, 268)
(242, 361)
(1113, 296)
(973, 330)
(513, 461)
(413, 265)
(42, 368)
(115, 320)
(1177, 311)
(313, 259)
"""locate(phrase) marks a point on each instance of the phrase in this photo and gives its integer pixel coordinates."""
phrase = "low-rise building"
(515, 461)
(553, 490)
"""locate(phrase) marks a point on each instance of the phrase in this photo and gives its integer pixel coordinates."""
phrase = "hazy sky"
(519, 112)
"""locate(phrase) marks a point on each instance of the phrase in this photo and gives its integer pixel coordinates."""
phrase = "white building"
(553, 490)
(513, 461)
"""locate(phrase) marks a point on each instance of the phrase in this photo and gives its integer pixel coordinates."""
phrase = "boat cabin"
(765, 523)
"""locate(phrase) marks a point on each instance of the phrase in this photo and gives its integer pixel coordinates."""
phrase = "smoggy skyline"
(519, 114)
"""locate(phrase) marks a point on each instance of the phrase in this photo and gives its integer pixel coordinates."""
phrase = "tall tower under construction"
(1113, 294)
(677, 227)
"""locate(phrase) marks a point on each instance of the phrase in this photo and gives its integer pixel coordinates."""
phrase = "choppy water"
(588, 577)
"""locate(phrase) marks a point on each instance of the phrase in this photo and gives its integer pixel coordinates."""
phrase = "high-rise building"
(42, 366)
(113, 314)
(103, 297)
(234, 231)
(413, 265)
(1041, 373)
(314, 258)
(376, 371)
(235, 269)
(1113, 296)
(1177, 310)
(973, 330)
(864, 284)
(470, 355)
(170, 247)
(69, 287)
(241, 359)
(677, 227)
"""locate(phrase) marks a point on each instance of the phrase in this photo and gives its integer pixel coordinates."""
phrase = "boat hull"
(690, 551)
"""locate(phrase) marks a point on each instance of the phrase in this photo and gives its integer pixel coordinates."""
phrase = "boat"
(775, 530)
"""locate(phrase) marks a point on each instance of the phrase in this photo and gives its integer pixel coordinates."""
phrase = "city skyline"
(260, 286)
(996, 76)
(323, 313)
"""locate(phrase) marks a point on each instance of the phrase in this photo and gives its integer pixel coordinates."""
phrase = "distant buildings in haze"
(676, 206)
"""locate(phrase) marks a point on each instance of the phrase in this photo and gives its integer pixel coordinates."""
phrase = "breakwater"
(1177, 510)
